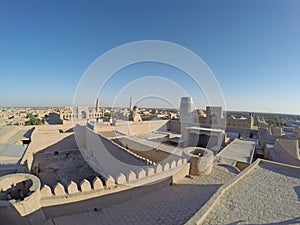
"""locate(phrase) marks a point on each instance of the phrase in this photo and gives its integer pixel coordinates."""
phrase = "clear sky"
(253, 48)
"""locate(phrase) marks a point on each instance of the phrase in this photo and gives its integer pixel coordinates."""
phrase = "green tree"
(35, 121)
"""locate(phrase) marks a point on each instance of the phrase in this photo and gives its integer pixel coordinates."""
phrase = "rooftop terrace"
(238, 150)
(265, 193)
(169, 205)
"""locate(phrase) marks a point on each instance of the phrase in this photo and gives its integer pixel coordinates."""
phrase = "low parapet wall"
(100, 193)
(41, 137)
(151, 152)
(138, 180)
(105, 190)
(201, 215)
(107, 158)
(99, 187)
(102, 155)
(143, 127)
(288, 151)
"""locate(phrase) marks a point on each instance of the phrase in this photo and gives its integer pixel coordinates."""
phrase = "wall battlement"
(74, 196)
(86, 189)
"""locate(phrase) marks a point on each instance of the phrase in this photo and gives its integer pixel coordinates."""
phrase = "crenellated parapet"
(98, 187)
(121, 179)
(134, 155)
(142, 174)
(19, 187)
(85, 186)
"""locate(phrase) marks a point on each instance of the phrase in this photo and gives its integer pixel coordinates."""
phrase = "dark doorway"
(203, 140)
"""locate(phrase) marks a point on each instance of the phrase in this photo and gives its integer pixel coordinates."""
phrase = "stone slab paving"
(267, 195)
(174, 204)
(238, 150)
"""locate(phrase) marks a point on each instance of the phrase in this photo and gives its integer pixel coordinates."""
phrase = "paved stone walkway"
(170, 205)
(266, 196)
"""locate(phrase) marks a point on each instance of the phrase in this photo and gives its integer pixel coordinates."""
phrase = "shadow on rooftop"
(28, 133)
(150, 200)
(283, 170)
(61, 162)
(183, 199)
(11, 216)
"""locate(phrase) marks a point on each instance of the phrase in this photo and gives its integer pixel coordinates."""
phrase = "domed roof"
(135, 108)
(201, 113)
(232, 117)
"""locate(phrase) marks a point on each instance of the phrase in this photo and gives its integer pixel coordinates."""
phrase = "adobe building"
(134, 115)
(239, 154)
(70, 114)
(284, 151)
(69, 179)
(215, 117)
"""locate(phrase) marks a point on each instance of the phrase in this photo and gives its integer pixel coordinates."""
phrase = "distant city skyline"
(252, 47)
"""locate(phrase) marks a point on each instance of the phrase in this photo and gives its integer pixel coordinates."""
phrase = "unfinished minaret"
(97, 105)
(130, 104)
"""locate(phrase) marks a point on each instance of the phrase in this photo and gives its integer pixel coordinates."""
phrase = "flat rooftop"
(11, 154)
(68, 164)
(152, 135)
(5, 129)
(238, 150)
(174, 204)
(177, 140)
(267, 193)
(14, 134)
(206, 129)
(156, 145)
(110, 134)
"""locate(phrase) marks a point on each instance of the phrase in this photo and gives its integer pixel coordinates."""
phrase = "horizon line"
(117, 107)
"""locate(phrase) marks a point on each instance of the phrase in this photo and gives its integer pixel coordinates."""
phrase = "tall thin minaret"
(97, 105)
(130, 104)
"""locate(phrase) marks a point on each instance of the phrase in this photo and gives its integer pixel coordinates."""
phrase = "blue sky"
(253, 48)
